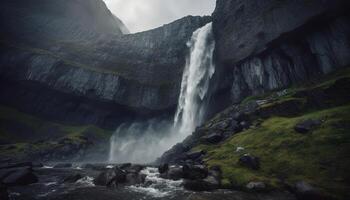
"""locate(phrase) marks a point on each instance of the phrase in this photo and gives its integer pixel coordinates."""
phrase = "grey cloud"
(140, 15)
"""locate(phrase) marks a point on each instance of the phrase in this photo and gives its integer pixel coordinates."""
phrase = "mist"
(141, 15)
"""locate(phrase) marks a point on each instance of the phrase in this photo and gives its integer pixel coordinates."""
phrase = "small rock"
(63, 165)
(307, 125)
(20, 177)
(163, 168)
(239, 149)
(244, 125)
(250, 161)
(256, 186)
(213, 138)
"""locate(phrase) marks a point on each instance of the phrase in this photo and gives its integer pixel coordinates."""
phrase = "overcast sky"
(140, 15)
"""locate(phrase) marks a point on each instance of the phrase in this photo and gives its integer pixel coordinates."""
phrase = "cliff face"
(267, 45)
(96, 76)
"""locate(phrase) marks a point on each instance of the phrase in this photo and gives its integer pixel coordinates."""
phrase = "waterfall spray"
(142, 143)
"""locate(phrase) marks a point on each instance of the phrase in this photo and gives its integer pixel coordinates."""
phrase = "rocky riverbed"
(86, 181)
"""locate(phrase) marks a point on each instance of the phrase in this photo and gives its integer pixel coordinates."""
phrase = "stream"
(52, 187)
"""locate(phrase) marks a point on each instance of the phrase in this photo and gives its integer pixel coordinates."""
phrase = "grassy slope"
(39, 130)
(321, 157)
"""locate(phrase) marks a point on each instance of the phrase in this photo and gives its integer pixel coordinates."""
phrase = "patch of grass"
(40, 128)
(320, 157)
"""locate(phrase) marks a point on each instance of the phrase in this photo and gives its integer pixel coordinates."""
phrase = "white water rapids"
(144, 142)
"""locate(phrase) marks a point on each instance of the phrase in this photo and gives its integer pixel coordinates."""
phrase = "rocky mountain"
(40, 20)
(268, 45)
(93, 73)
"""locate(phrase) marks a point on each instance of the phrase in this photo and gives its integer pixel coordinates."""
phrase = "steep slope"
(39, 20)
(284, 140)
(268, 45)
(100, 78)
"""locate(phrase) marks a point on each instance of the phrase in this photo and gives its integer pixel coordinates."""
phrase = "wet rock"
(250, 161)
(63, 165)
(213, 138)
(135, 178)
(305, 191)
(110, 177)
(195, 171)
(20, 177)
(163, 168)
(72, 178)
(174, 173)
(307, 125)
(256, 186)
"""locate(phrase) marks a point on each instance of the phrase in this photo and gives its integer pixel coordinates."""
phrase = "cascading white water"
(144, 142)
(195, 82)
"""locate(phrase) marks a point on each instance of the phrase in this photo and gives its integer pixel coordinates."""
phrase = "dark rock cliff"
(45, 21)
(268, 45)
(96, 76)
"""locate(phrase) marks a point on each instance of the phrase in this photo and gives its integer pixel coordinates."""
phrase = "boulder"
(256, 186)
(110, 177)
(194, 172)
(72, 178)
(20, 177)
(174, 173)
(213, 138)
(307, 125)
(163, 168)
(63, 165)
(250, 161)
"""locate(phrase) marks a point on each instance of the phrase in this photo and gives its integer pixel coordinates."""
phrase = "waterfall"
(144, 142)
(195, 81)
